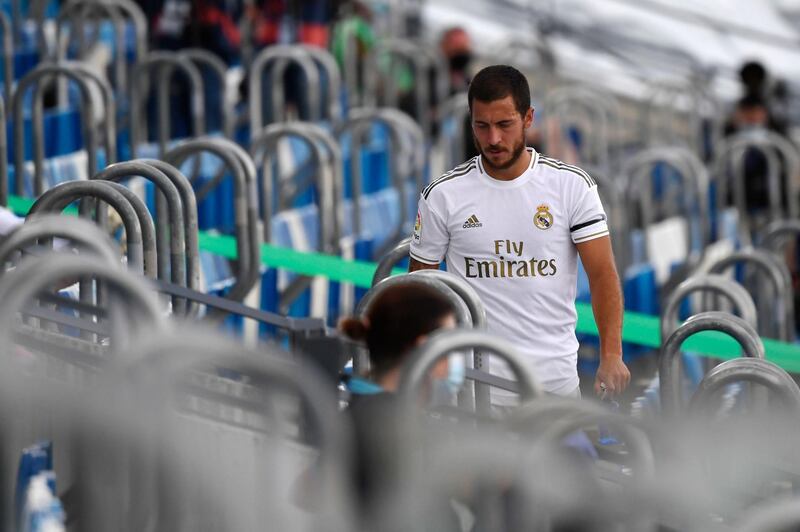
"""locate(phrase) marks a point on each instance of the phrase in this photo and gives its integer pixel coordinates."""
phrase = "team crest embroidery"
(543, 219)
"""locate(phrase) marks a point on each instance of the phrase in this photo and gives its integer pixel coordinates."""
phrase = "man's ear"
(528, 120)
(421, 339)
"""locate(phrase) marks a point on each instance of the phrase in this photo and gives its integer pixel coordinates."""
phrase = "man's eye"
(481, 126)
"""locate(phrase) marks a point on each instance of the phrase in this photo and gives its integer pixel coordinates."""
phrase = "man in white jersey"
(513, 222)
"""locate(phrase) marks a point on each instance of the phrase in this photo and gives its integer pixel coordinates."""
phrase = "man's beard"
(515, 155)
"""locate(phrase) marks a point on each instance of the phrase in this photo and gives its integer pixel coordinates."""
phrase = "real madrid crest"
(543, 219)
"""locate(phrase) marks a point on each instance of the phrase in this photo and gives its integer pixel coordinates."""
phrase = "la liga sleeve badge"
(418, 229)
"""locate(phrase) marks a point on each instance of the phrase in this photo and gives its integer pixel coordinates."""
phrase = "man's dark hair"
(497, 82)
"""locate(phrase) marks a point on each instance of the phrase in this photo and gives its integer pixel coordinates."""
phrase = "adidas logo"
(472, 223)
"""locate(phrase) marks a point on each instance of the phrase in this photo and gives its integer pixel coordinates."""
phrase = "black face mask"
(460, 61)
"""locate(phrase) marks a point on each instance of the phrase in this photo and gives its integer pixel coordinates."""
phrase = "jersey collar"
(514, 183)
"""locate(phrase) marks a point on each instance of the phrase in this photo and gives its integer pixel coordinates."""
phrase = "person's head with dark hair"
(500, 107)
(751, 112)
(456, 47)
(753, 76)
(399, 319)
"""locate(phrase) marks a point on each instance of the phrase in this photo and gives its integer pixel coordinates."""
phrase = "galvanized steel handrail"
(86, 111)
(669, 359)
(477, 312)
(41, 226)
(399, 154)
(109, 110)
(716, 284)
(61, 196)
(4, 158)
(168, 63)
(245, 205)
(455, 107)
(391, 259)
(602, 111)
(215, 65)
(781, 280)
(442, 343)
(264, 144)
(764, 372)
(285, 54)
(777, 233)
(334, 77)
(420, 59)
(552, 419)
(171, 248)
(771, 145)
(79, 12)
(37, 274)
(638, 170)
(8, 54)
(190, 221)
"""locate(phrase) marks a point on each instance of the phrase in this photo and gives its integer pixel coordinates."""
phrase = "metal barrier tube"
(707, 283)
(8, 54)
(457, 108)
(669, 359)
(396, 255)
(602, 109)
(3, 156)
(763, 372)
(397, 159)
(416, 57)
(552, 419)
(46, 226)
(770, 144)
(36, 76)
(171, 62)
(171, 247)
(477, 311)
(257, 69)
(190, 222)
(83, 10)
(59, 197)
(780, 278)
(334, 77)
(777, 232)
(250, 174)
(265, 142)
(244, 205)
(781, 514)
(149, 249)
(215, 65)
(109, 111)
(35, 275)
(444, 342)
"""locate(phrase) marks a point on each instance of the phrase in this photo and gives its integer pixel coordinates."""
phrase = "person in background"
(456, 47)
(398, 321)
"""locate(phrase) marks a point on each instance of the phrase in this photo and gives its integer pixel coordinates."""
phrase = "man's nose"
(494, 135)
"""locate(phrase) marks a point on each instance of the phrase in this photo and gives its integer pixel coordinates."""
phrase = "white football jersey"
(514, 242)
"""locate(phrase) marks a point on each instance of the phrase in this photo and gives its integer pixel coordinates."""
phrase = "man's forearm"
(607, 307)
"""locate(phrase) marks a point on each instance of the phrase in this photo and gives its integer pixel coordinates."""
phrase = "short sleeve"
(587, 216)
(431, 238)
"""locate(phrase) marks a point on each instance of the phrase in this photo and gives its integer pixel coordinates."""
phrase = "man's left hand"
(612, 376)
